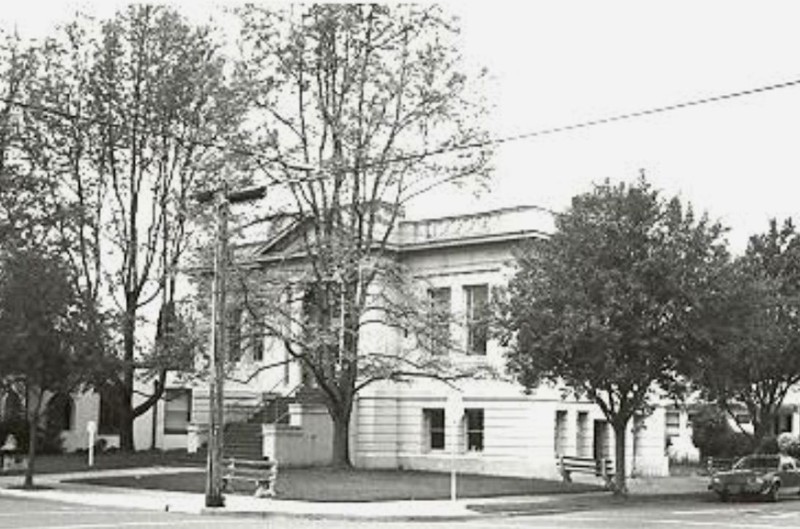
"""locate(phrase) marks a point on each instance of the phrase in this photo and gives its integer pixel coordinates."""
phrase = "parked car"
(764, 475)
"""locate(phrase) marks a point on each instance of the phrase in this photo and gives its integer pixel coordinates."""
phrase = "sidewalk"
(55, 488)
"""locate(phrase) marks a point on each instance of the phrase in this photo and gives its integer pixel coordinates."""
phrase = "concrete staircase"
(242, 440)
(242, 435)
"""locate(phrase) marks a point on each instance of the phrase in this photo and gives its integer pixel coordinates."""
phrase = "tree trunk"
(32, 427)
(126, 398)
(620, 483)
(341, 439)
(763, 426)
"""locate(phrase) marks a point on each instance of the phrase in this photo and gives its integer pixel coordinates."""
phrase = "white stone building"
(458, 260)
(504, 431)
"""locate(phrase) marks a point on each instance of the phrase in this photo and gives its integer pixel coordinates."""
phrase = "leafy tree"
(24, 212)
(45, 346)
(713, 435)
(609, 304)
(346, 97)
(752, 355)
(143, 105)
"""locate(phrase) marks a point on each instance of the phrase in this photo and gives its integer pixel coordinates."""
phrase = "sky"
(559, 63)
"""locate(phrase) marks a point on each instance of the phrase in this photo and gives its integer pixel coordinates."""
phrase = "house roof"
(410, 235)
(518, 222)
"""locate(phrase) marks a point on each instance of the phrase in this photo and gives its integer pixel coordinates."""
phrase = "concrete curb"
(247, 507)
(418, 518)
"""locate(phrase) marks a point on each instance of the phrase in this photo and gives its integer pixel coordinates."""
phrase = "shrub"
(713, 436)
(18, 427)
(48, 440)
(789, 444)
(768, 445)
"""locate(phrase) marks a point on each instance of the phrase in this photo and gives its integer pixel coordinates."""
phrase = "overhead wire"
(489, 142)
(593, 123)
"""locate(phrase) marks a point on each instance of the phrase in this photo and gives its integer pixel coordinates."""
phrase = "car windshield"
(751, 462)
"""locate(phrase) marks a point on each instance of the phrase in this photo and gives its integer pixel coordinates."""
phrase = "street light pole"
(222, 199)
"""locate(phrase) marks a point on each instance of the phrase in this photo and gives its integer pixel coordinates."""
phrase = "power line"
(440, 151)
(587, 124)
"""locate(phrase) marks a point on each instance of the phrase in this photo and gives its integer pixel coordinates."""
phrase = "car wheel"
(772, 495)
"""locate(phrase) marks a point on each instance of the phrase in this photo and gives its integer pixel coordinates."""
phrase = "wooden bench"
(603, 468)
(261, 472)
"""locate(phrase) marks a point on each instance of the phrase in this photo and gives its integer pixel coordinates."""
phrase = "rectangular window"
(560, 432)
(672, 423)
(477, 302)
(255, 336)
(177, 410)
(439, 300)
(234, 322)
(434, 428)
(583, 439)
(474, 418)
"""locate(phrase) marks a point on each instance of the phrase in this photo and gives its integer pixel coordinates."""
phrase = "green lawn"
(326, 484)
(55, 464)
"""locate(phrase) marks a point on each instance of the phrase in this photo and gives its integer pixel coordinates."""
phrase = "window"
(560, 432)
(177, 410)
(672, 426)
(474, 418)
(234, 321)
(434, 428)
(783, 424)
(255, 339)
(477, 298)
(439, 300)
(673, 422)
(110, 418)
(59, 412)
(583, 439)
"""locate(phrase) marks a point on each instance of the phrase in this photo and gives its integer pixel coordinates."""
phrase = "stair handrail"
(288, 395)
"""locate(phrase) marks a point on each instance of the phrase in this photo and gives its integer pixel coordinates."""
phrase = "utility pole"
(222, 200)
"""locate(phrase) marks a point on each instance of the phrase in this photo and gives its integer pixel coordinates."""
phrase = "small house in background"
(678, 428)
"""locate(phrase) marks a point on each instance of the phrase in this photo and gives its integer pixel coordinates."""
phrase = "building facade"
(500, 429)
(457, 262)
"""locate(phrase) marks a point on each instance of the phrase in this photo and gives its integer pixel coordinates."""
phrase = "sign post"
(91, 429)
(454, 411)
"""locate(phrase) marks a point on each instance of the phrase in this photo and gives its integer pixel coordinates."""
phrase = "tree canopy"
(346, 98)
(751, 357)
(124, 119)
(47, 346)
(609, 304)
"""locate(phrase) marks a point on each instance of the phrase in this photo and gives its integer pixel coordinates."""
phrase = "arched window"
(60, 412)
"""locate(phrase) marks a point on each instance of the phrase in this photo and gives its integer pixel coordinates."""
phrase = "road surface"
(689, 514)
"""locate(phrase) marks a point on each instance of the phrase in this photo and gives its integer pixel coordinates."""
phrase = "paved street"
(688, 514)
(35, 514)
